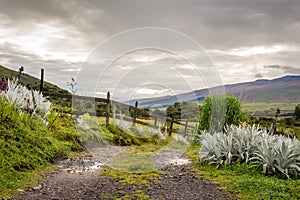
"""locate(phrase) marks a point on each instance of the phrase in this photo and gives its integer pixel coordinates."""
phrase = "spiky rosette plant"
(275, 154)
(245, 139)
(216, 149)
(27, 100)
(278, 154)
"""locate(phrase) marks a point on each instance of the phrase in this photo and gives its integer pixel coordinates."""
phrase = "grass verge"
(245, 181)
(28, 147)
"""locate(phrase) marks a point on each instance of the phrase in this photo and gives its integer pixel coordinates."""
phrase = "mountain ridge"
(283, 89)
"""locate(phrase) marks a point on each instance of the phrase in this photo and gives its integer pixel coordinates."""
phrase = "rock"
(20, 190)
(37, 187)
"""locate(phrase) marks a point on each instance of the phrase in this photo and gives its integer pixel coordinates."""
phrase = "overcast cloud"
(245, 39)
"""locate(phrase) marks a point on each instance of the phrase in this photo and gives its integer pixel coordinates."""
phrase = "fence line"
(108, 102)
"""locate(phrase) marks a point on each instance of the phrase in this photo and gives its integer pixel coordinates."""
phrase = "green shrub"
(123, 138)
(297, 112)
(218, 111)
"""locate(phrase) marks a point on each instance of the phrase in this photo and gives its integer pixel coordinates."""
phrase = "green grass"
(133, 162)
(138, 159)
(269, 109)
(134, 180)
(28, 147)
(245, 181)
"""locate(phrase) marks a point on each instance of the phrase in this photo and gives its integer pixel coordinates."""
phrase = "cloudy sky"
(139, 48)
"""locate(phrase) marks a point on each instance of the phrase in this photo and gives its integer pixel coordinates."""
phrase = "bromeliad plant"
(276, 154)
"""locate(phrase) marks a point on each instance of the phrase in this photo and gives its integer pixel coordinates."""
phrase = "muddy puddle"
(98, 157)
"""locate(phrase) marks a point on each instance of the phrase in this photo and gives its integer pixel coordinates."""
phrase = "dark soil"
(175, 182)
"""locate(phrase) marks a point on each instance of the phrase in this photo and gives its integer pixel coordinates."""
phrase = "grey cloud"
(215, 24)
(53, 70)
(258, 76)
(273, 66)
(36, 9)
(284, 69)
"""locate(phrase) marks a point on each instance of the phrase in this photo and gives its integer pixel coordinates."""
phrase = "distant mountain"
(280, 90)
(285, 89)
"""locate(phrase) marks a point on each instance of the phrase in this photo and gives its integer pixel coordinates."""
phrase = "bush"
(297, 112)
(276, 154)
(220, 110)
(120, 137)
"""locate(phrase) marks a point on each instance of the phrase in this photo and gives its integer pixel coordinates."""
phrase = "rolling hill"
(280, 90)
(34, 82)
(27, 80)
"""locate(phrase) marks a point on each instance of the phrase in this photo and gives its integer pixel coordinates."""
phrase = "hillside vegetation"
(33, 82)
(29, 80)
(33, 135)
(245, 161)
(27, 145)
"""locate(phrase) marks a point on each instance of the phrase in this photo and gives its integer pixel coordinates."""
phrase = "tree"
(183, 110)
(190, 111)
(220, 110)
(297, 112)
(174, 111)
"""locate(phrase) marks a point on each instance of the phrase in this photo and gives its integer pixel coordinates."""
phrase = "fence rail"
(107, 102)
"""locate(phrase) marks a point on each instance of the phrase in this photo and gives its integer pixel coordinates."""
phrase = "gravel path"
(81, 179)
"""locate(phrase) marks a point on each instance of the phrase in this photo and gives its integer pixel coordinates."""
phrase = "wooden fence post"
(107, 109)
(171, 126)
(42, 80)
(185, 127)
(196, 128)
(155, 122)
(135, 113)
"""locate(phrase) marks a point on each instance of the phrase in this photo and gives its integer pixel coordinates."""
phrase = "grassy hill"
(29, 80)
(34, 82)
